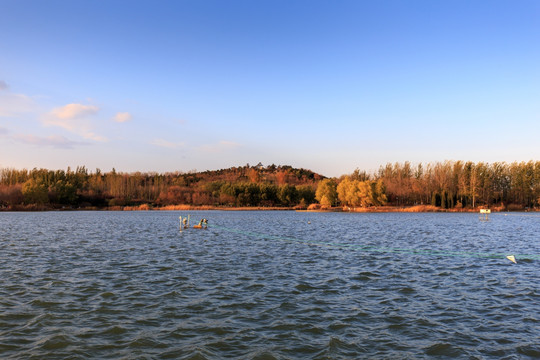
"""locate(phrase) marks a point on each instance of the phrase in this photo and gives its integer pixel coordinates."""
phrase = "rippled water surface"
(268, 285)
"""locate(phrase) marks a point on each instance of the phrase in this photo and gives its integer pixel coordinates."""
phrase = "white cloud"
(122, 117)
(93, 136)
(167, 144)
(55, 141)
(74, 111)
(3, 131)
(74, 118)
(219, 147)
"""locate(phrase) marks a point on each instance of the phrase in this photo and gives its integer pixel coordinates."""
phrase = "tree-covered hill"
(237, 186)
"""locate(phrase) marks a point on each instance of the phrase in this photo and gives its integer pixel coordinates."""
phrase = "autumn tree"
(10, 195)
(326, 193)
(361, 193)
(35, 192)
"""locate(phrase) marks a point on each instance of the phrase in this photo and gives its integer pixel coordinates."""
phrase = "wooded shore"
(447, 186)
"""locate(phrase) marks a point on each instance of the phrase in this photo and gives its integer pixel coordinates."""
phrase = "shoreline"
(375, 209)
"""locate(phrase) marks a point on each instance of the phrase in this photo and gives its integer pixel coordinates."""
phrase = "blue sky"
(326, 85)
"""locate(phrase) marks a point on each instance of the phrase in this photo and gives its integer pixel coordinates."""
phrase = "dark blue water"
(268, 285)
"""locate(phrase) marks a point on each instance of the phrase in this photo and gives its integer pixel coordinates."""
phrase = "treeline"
(458, 184)
(448, 185)
(238, 186)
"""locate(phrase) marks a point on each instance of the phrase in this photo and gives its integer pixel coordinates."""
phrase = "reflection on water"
(267, 285)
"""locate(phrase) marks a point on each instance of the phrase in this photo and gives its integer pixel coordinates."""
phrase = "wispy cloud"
(3, 131)
(55, 141)
(74, 118)
(74, 111)
(12, 105)
(167, 144)
(219, 147)
(122, 117)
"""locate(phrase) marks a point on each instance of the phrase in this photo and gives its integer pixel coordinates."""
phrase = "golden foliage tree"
(361, 193)
(326, 193)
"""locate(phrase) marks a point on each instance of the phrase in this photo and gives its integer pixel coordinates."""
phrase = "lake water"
(268, 285)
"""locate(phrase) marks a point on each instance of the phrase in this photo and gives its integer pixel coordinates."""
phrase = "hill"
(269, 186)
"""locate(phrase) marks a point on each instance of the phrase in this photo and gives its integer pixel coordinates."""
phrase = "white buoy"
(512, 258)
(484, 214)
